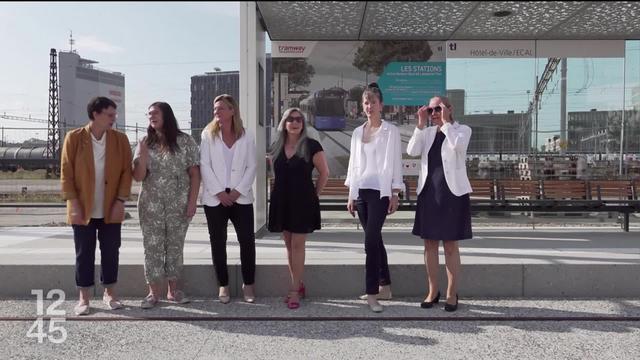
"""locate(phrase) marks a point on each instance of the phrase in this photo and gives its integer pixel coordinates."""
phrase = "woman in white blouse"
(443, 210)
(374, 178)
(228, 167)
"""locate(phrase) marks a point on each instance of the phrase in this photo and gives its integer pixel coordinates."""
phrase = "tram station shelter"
(599, 39)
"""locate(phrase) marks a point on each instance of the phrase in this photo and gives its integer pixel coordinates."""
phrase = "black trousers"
(84, 237)
(372, 212)
(241, 217)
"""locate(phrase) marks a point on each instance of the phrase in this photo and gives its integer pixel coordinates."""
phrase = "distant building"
(553, 144)
(205, 88)
(493, 133)
(80, 81)
(458, 101)
(635, 98)
(599, 131)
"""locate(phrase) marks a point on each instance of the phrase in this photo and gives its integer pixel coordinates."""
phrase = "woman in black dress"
(294, 208)
(443, 211)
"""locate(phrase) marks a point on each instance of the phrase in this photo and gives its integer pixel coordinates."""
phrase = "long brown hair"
(170, 131)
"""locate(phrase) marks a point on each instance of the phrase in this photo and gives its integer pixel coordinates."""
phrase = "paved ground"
(54, 245)
(14, 214)
(327, 328)
(206, 329)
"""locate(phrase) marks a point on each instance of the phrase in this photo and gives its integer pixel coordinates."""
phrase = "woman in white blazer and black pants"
(228, 167)
(374, 178)
(443, 211)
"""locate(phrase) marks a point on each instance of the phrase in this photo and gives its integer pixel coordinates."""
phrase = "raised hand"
(422, 117)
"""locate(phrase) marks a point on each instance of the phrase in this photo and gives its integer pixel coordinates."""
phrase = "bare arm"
(320, 163)
(141, 162)
(194, 189)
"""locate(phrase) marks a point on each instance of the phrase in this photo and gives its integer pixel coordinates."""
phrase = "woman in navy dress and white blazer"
(374, 178)
(443, 211)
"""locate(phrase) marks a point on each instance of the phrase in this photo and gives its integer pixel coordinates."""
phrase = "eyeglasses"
(299, 119)
(431, 110)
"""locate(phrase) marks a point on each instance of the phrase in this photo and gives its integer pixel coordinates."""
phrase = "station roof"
(451, 20)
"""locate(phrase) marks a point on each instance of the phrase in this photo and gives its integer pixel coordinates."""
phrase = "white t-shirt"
(228, 160)
(370, 178)
(99, 151)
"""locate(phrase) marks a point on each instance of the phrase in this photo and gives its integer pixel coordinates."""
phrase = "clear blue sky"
(159, 46)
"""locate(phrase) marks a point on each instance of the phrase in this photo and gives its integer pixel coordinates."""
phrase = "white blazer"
(214, 169)
(389, 160)
(453, 152)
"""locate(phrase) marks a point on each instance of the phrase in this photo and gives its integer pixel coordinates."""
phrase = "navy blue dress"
(294, 205)
(440, 215)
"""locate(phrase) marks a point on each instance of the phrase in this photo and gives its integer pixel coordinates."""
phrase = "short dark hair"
(99, 103)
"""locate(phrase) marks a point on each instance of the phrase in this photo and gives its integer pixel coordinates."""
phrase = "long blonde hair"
(236, 124)
(278, 145)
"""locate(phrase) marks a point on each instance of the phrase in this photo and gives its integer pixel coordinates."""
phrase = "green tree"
(373, 56)
(300, 72)
(355, 93)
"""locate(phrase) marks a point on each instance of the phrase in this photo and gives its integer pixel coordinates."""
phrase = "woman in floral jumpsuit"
(167, 162)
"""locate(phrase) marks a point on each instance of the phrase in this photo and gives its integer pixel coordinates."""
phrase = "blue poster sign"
(412, 83)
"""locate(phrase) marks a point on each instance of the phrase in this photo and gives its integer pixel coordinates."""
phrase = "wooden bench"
(511, 195)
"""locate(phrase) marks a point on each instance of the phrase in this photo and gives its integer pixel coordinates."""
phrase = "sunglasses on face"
(431, 110)
(299, 119)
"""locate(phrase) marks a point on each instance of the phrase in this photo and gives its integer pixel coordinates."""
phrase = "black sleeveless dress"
(440, 215)
(294, 205)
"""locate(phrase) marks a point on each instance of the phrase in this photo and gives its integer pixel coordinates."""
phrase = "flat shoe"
(112, 304)
(179, 298)
(225, 299)
(248, 298)
(376, 308)
(148, 302)
(378, 296)
(81, 309)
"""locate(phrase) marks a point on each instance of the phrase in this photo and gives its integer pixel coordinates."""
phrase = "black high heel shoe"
(429, 304)
(451, 308)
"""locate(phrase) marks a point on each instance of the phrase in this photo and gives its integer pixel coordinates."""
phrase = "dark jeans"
(84, 237)
(372, 211)
(241, 217)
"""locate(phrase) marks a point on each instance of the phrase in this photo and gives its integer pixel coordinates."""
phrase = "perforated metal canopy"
(450, 20)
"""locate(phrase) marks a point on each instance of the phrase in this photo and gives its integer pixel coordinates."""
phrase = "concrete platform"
(498, 262)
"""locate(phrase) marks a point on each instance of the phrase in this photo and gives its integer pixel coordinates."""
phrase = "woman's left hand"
(191, 208)
(393, 204)
(117, 211)
(234, 195)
